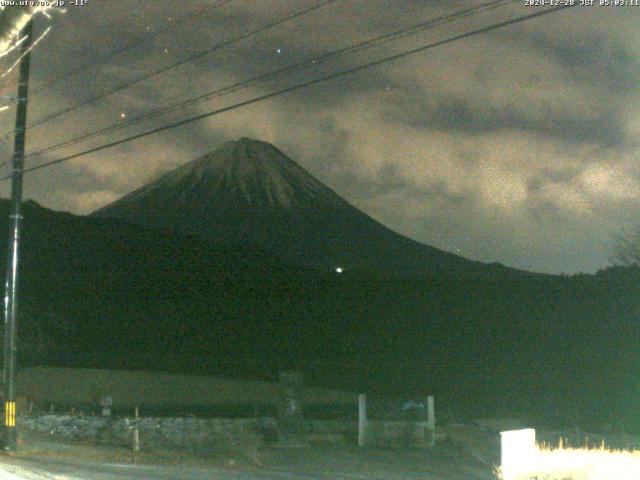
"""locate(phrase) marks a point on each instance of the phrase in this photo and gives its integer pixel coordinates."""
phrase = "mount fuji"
(248, 191)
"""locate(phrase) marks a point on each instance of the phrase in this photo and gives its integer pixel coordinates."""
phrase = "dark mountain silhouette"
(108, 293)
(249, 191)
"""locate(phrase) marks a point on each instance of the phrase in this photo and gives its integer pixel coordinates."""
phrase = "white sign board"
(519, 451)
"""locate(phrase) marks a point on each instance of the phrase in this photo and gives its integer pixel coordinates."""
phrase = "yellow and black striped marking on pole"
(9, 414)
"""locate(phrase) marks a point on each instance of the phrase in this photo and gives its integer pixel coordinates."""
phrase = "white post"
(431, 419)
(136, 432)
(362, 419)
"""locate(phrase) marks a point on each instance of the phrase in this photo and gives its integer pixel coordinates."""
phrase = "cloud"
(517, 146)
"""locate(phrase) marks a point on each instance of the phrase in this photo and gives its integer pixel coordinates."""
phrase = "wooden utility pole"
(11, 294)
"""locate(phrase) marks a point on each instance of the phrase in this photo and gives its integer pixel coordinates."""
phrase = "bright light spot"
(123, 115)
(278, 51)
(166, 50)
(339, 269)
(4, 107)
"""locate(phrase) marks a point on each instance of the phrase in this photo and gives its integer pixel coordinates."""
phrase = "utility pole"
(11, 294)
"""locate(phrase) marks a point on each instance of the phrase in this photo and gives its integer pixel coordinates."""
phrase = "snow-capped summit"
(247, 174)
(240, 174)
(249, 191)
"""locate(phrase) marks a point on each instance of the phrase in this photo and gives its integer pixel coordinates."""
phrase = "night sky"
(517, 146)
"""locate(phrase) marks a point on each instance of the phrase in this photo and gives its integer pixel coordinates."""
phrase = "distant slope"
(249, 191)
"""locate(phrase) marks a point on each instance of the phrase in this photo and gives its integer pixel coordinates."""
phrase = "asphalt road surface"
(466, 454)
(305, 464)
(112, 471)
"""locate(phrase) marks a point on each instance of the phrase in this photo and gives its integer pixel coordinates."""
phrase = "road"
(47, 470)
(304, 464)
(106, 471)
(42, 456)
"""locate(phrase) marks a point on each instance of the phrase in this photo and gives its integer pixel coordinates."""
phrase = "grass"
(565, 463)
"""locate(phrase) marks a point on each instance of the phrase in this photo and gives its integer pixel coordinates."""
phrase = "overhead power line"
(171, 66)
(310, 62)
(302, 85)
(135, 43)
